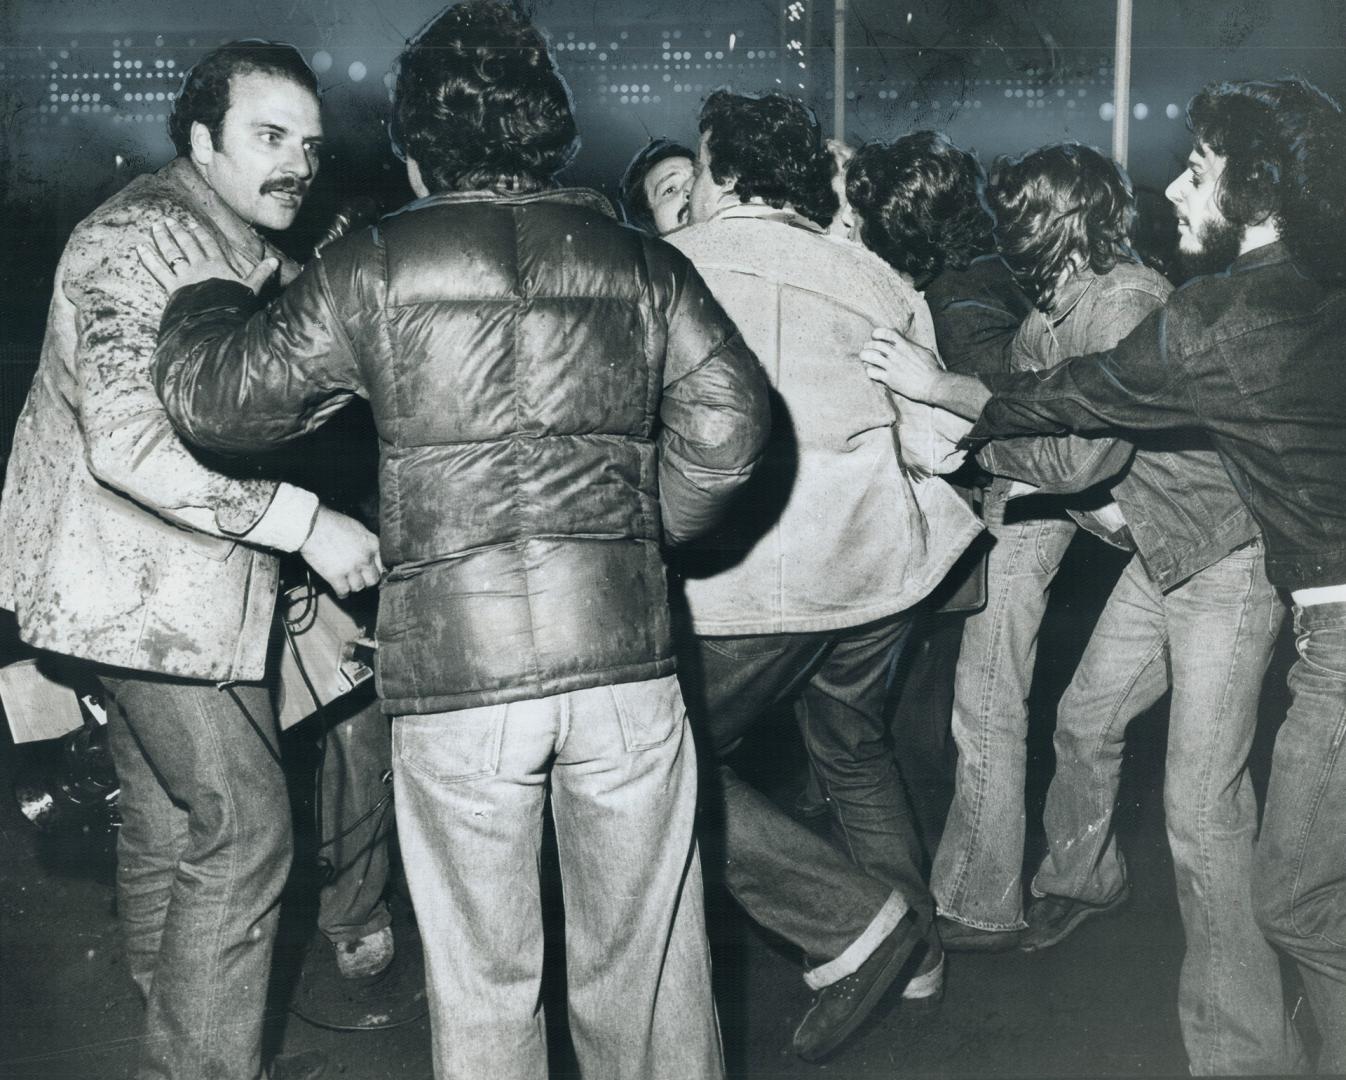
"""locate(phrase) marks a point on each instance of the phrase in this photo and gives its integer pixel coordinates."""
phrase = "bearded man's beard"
(1220, 242)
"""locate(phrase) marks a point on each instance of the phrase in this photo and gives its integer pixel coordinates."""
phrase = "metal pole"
(839, 71)
(1121, 84)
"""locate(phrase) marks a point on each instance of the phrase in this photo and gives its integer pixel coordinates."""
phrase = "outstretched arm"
(914, 371)
(237, 379)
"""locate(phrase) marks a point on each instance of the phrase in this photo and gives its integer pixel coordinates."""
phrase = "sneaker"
(925, 988)
(305, 1065)
(959, 937)
(1053, 918)
(366, 956)
(842, 1006)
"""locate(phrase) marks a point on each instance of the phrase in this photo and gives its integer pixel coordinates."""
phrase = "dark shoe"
(925, 988)
(1054, 918)
(842, 1006)
(305, 1065)
(959, 937)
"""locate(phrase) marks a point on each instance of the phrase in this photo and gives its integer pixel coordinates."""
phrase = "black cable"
(290, 627)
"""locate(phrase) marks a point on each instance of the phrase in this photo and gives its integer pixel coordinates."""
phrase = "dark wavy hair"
(479, 103)
(635, 203)
(919, 204)
(1284, 145)
(1057, 204)
(772, 148)
(203, 97)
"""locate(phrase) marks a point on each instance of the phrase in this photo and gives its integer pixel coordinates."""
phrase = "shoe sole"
(987, 944)
(889, 972)
(1071, 924)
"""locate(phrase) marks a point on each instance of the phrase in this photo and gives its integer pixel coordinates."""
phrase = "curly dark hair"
(479, 103)
(919, 204)
(1057, 204)
(1284, 145)
(772, 148)
(635, 203)
(204, 95)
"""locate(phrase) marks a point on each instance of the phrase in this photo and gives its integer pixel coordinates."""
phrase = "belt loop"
(562, 721)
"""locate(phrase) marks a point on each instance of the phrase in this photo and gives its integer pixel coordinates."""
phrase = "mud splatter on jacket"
(117, 543)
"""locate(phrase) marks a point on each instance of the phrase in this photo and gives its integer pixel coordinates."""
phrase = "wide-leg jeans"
(1210, 638)
(471, 786)
(1299, 885)
(977, 872)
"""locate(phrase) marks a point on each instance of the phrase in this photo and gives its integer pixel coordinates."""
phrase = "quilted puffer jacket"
(555, 395)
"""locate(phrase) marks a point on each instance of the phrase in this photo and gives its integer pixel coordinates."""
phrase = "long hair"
(919, 204)
(479, 103)
(1058, 205)
(1284, 147)
(772, 147)
(203, 97)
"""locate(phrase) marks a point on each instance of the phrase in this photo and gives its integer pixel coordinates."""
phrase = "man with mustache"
(158, 564)
(655, 187)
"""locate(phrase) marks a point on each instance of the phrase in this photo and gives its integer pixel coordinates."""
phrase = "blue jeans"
(355, 829)
(836, 901)
(1210, 638)
(977, 873)
(202, 857)
(471, 787)
(1299, 884)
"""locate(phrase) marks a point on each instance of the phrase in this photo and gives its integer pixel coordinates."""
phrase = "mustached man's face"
(667, 187)
(268, 149)
(1207, 240)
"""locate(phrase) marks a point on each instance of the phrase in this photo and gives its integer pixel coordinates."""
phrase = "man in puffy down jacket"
(556, 395)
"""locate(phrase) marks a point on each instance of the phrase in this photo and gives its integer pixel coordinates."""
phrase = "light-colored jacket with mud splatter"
(119, 544)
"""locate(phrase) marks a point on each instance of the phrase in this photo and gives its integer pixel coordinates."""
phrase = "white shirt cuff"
(287, 521)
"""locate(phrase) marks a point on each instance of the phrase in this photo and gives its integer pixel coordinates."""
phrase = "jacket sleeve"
(1059, 464)
(1137, 384)
(130, 443)
(238, 379)
(715, 410)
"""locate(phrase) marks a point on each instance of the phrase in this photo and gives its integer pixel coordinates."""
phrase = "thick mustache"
(289, 185)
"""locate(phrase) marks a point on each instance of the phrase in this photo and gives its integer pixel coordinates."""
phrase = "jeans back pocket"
(450, 747)
(649, 711)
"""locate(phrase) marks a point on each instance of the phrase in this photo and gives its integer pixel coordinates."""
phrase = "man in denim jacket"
(1251, 355)
(1193, 610)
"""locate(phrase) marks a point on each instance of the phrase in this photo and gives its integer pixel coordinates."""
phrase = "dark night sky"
(1000, 76)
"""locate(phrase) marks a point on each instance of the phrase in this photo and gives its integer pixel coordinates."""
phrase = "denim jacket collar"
(1070, 294)
(1266, 255)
